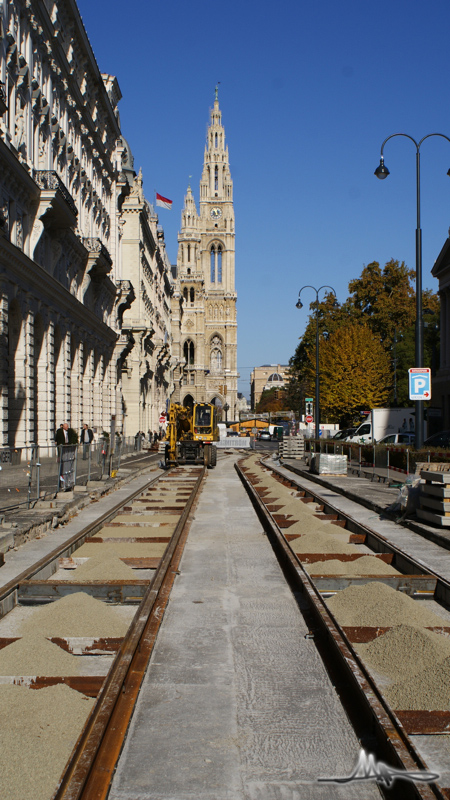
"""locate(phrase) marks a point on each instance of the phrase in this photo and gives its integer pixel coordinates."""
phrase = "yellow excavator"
(190, 435)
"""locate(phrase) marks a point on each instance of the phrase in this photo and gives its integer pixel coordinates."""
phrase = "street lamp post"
(382, 172)
(299, 304)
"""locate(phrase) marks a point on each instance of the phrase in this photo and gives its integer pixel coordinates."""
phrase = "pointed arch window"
(216, 263)
(189, 252)
(185, 293)
(192, 294)
(216, 178)
(216, 140)
(219, 264)
(189, 351)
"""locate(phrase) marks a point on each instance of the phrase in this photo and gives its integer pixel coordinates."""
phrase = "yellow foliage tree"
(354, 371)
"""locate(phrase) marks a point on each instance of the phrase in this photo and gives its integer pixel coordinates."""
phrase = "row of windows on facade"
(215, 359)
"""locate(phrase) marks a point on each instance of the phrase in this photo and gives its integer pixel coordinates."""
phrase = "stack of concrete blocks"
(434, 495)
(328, 464)
(292, 447)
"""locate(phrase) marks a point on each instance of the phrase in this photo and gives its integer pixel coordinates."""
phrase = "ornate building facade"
(204, 301)
(66, 200)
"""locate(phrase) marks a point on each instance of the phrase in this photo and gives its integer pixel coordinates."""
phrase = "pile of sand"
(76, 615)
(38, 730)
(321, 543)
(104, 566)
(404, 650)
(35, 655)
(366, 565)
(378, 604)
(427, 690)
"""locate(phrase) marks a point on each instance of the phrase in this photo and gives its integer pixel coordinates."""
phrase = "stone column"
(4, 361)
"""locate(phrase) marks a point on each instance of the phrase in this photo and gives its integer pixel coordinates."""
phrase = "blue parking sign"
(419, 383)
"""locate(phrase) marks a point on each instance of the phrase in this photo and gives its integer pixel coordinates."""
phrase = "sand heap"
(38, 730)
(34, 655)
(366, 565)
(77, 615)
(321, 543)
(404, 651)
(104, 566)
(378, 604)
(427, 690)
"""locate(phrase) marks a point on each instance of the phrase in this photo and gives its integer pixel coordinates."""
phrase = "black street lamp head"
(381, 171)
(299, 304)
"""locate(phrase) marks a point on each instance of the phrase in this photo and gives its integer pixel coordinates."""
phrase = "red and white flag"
(163, 201)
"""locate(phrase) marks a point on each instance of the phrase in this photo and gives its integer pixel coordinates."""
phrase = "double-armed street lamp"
(382, 172)
(299, 304)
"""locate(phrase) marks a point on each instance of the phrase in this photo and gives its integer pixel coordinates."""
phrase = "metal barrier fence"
(368, 458)
(38, 472)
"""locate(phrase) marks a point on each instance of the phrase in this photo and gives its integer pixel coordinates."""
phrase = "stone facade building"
(204, 301)
(269, 376)
(66, 200)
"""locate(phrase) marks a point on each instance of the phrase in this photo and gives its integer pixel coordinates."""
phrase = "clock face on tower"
(216, 213)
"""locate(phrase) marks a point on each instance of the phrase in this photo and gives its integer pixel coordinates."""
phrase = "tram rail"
(169, 496)
(392, 729)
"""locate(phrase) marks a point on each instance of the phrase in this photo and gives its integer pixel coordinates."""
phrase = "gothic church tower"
(205, 297)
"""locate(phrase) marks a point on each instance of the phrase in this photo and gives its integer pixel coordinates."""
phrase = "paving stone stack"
(434, 497)
(292, 447)
(328, 464)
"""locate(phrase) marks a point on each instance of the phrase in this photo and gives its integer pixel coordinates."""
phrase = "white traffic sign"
(419, 383)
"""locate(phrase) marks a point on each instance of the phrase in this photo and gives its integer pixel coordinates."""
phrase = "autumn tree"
(272, 400)
(355, 372)
(384, 300)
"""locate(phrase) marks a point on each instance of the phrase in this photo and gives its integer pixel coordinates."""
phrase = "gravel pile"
(366, 565)
(377, 604)
(321, 543)
(427, 690)
(76, 614)
(403, 651)
(38, 730)
(307, 524)
(104, 566)
(121, 549)
(35, 655)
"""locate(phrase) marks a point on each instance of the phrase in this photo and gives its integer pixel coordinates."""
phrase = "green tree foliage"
(383, 299)
(354, 372)
(272, 400)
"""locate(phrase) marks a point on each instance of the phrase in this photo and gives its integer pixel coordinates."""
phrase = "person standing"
(86, 440)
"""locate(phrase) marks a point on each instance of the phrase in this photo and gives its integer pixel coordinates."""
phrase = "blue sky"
(308, 92)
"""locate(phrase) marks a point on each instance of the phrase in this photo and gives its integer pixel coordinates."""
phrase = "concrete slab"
(236, 703)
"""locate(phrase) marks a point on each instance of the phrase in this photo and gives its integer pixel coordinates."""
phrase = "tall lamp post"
(382, 172)
(299, 304)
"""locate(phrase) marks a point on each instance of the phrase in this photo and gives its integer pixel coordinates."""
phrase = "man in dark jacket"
(86, 439)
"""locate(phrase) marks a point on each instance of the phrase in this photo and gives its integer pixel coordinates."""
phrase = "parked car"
(265, 435)
(441, 439)
(344, 433)
(398, 438)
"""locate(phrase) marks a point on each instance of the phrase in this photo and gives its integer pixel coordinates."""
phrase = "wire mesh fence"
(40, 472)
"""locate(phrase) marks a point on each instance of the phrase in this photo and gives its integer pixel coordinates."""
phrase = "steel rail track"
(373, 715)
(90, 769)
(8, 594)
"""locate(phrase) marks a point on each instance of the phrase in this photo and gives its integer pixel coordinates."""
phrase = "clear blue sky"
(308, 92)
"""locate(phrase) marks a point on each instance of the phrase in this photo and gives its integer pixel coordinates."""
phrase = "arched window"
(216, 263)
(216, 178)
(189, 352)
(213, 264)
(215, 140)
(189, 252)
(192, 294)
(219, 264)
(185, 293)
